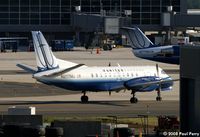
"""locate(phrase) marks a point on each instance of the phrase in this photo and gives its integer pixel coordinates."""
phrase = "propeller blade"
(157, 69)
(158, 75)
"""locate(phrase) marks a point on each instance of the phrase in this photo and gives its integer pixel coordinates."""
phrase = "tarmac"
(19, 88)
(97, 108)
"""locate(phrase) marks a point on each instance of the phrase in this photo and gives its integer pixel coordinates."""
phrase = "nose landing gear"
(158, 98)
(133, 99)
(84, 98)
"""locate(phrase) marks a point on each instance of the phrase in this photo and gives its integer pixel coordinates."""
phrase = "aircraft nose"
(168, 84)
(170, 81)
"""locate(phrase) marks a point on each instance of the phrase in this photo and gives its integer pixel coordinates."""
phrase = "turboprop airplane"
(144, 48)
(72, 76)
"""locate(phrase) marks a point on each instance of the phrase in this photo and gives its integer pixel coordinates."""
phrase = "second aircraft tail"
(136, 38)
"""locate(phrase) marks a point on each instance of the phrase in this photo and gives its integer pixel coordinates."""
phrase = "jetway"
(186, 20)
(99, 23)
(96, 22)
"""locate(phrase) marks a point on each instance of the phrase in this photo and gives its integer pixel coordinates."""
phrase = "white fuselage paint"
(72, 76)
(85, 73)
(151, 52)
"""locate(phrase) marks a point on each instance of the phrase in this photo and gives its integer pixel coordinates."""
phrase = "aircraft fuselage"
(166, 54)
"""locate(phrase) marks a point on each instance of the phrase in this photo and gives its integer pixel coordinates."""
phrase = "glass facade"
(58, 12)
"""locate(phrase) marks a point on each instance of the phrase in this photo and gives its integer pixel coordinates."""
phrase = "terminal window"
(59, 11)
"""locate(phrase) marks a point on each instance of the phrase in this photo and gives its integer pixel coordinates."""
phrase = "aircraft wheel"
(133, 100)
(158, 98)
(84, 99)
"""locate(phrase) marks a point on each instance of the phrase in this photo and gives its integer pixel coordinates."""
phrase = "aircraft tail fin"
(136, 38)
(44, 57)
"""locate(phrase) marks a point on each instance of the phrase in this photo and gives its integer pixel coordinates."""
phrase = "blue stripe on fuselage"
(87, 85)
(95, 85)
(171, 60)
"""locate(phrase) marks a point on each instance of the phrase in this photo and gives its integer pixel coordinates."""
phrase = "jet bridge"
(185, 20)
(99, 23)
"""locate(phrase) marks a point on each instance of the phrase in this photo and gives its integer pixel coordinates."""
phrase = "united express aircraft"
(79, 77)
(144, 48)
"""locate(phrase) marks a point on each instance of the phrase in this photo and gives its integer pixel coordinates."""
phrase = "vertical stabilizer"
(136, 38)
(44, 56)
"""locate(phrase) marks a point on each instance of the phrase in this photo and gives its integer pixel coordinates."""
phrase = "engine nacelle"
(140, 84)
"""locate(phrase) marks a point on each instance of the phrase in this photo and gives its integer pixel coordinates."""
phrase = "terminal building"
(56, 15)
(62, 19)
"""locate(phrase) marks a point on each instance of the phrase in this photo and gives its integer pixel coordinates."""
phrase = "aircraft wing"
(27, 68)
(55, 74)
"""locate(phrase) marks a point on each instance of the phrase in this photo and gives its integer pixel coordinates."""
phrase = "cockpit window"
(163, 72)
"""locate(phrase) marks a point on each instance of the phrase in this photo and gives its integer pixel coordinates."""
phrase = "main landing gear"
(84, 98)
(158, 98)
(133, 99)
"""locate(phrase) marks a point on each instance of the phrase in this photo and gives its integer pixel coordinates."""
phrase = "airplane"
(79, 77)
(144, 48)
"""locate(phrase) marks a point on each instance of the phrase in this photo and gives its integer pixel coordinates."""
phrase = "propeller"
(118, 65)
(157, 70)
(158, 73)
(159, 86)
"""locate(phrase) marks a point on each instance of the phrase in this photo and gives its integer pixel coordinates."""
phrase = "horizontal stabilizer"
(27, 68)
(55, 74)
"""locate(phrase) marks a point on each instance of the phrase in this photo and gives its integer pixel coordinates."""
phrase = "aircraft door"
(119, 74)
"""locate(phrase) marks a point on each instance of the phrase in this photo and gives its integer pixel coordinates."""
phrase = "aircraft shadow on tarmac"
(172, 71)
(109, 103)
